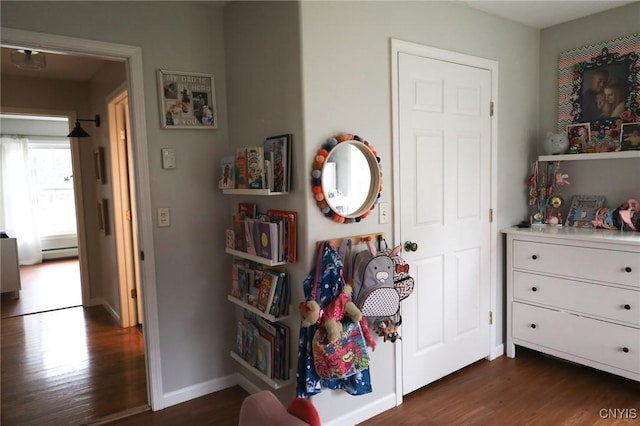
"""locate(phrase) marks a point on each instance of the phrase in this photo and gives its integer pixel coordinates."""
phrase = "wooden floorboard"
(531, 389)
(66, 366)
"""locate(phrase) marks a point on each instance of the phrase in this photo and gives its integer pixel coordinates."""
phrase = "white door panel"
(444, 155)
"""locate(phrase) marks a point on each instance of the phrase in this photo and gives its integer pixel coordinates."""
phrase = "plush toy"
(332, 314)
(626, 217)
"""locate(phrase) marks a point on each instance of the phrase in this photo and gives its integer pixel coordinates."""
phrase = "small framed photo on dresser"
(583, 210)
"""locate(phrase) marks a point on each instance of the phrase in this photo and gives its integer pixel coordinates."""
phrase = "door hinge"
(491, 109)
(490, 215)
(134, 293)
(127, 214)
(490, 318)
(141, 255)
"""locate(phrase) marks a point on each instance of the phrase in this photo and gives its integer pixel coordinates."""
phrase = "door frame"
(124, 228)
(401, 46)
(132, 56)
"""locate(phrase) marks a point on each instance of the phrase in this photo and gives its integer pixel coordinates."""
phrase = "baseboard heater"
(59, 253)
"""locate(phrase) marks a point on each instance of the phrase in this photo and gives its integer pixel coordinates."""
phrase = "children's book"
(238, 233)
(240, 337)
(263, 356)
(227, 173)
(249, 233)
(267, 240)
(291, 218)
(266, 290)
(231, 239)
(247, 209)
(255, 167)
(280, 147)
(240, 163)
(235, 289)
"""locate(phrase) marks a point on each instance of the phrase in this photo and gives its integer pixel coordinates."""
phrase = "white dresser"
(575, 294)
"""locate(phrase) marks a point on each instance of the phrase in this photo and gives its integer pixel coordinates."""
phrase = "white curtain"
(17, 215)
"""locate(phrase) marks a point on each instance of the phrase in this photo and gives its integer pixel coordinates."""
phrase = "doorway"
(133, 57)
(445, 146)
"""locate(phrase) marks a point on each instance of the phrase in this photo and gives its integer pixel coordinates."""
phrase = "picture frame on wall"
(579, 136)
(598, 85)
(583, 210)
(630, 137)
(99, 164)
(187, 100)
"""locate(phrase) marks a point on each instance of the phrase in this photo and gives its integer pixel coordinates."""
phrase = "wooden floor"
(46, 286)
(69, 366)
(531, 389)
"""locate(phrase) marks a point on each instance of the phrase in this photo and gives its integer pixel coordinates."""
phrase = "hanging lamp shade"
(28, 59)
(79, 132)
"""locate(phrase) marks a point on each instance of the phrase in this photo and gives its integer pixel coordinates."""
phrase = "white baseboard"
(364, 412)
(246, 384)
(496, 352)
(197, 390)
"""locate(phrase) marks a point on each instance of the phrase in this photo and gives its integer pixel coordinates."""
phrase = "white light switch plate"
(383, 212)
(168, 158)
(164, 217)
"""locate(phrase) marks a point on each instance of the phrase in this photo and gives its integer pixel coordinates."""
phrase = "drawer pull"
(533, 326)
(627, 307)
(534, 288)
(535, 256)
(628, 269)
(625, 350)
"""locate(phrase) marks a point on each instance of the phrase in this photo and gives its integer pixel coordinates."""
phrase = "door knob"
(410, 246)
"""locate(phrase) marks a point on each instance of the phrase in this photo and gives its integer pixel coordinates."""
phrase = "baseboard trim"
(364, 412)
(198, 390)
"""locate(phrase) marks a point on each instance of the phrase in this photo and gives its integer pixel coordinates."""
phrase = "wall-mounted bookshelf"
(591, 156)
(273, 383)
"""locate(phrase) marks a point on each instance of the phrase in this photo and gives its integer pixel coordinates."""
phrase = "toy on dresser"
(625, 217)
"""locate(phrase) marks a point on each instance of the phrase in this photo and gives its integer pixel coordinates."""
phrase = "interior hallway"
(66, 365)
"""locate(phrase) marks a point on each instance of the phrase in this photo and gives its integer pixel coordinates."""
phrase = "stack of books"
(265, 345)
(266, 289)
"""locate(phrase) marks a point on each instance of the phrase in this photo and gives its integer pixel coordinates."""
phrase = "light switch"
(168, 158)
(383, 213)
(164, 217)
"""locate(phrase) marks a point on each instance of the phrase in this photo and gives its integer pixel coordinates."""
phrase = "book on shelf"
(247, 210)
(249, 236)
(275, 308)
(231, 239)
(238, 233)
(291, 218)
(267, 240)
(240, 163)
(227, 173)
(267, 290)
(255, 167)
(263, 356)
(280, 147)
(240, 337)
(250, 343)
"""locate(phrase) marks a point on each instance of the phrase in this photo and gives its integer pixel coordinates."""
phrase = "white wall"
(617, 180)
(178, 36)
(347, 87)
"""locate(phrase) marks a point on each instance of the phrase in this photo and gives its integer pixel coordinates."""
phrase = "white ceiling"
(541, 13)
(536, 14)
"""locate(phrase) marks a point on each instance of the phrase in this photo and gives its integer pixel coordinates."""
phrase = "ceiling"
(541, 13)
(536, 14)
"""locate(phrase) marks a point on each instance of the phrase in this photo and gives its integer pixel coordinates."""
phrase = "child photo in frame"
(579, 136)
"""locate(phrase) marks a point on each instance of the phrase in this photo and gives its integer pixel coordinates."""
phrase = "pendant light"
(79, 132)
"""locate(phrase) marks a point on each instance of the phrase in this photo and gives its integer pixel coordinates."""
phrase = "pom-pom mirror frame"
(320, 191)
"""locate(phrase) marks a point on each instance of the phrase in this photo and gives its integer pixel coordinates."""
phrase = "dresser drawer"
(613, 266)
(599, 341)
(591, 299)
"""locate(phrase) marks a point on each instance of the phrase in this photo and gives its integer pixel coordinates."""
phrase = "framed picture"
(187, 100)
(599, 84)
(583, 210)
(579, 136)
(630, 136)
(98, 162)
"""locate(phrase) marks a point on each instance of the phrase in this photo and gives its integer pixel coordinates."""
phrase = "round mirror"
(346, 178)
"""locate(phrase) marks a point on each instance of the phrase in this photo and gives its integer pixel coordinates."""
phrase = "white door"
(445, 196)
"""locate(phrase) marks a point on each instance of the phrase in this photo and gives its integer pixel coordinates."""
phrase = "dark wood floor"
(531, 389)
(69, 366)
